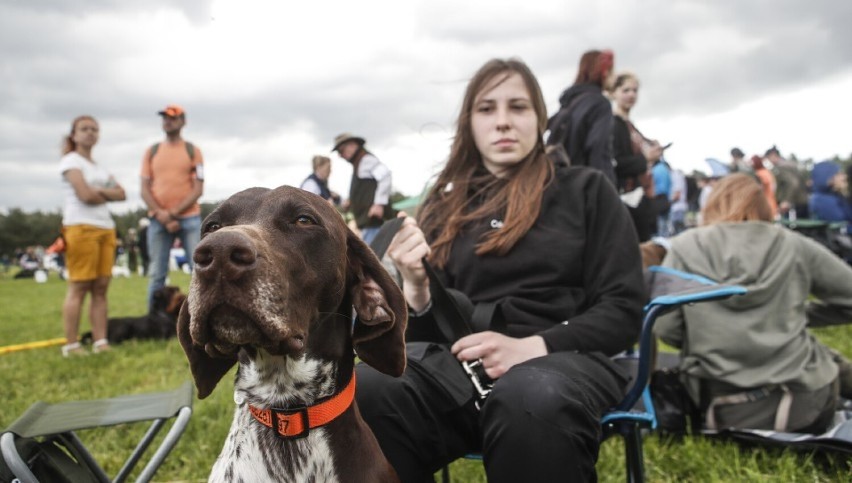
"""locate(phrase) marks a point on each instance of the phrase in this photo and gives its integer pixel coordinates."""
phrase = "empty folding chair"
(43, 445)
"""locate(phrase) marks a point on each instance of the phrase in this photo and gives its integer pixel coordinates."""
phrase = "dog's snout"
(229, 253)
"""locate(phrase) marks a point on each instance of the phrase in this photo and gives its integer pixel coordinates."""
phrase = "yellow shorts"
(90, 252)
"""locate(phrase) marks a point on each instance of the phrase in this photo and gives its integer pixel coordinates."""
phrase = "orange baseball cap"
(172, 110)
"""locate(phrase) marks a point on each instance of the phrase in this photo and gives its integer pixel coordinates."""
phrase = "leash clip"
(481, 382)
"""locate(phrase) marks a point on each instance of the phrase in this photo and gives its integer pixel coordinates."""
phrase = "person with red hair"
(583, 125)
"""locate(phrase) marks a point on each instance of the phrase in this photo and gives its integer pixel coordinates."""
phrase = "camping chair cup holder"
(669, 289)
(61, 420)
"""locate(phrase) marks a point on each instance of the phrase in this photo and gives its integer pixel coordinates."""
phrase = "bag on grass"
(53, 460)
(676, 413)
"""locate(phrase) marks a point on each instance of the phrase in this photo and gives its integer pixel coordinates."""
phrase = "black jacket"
(584, 123)
(579, 263)
(628, 164)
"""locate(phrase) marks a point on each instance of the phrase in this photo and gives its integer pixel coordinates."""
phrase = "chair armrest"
(715, 292)
(682, 288)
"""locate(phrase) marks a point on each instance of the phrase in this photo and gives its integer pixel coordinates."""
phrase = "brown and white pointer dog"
(277, 277)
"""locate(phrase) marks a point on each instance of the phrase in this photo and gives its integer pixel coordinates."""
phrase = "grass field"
(31, 312)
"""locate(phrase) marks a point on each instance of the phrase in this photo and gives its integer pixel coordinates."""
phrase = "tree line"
(19, 229)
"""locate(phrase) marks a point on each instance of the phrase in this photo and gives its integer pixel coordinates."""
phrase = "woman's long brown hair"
(464, 180)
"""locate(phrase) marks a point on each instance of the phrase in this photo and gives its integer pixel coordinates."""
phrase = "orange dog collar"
(296, 422)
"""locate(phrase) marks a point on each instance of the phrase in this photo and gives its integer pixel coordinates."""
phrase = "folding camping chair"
(669, 289)
(60, 421)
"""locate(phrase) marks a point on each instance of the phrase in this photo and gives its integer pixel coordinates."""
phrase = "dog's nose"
(228, 253)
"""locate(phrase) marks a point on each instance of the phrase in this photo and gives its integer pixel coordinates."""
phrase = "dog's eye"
(305, 220)
(211, 226)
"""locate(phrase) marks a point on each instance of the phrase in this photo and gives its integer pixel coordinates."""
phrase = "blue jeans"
(160, 243)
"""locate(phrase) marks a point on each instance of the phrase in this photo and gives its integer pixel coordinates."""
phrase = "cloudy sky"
(268, 84)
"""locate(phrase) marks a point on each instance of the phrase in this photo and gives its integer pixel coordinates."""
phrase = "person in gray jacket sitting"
(750, 362)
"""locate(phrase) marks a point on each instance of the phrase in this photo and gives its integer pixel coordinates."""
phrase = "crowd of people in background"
(90, 252)
(795, 192)
(593, 127)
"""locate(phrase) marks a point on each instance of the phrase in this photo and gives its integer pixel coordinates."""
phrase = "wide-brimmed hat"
(342, 138)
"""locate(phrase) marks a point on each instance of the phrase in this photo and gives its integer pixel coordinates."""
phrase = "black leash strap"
(449, 317)
(452, 323)
(385, 235)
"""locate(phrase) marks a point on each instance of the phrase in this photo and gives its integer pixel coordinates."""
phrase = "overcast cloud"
(268, 84)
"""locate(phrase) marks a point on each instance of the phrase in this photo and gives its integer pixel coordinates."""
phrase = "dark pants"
(540, 423)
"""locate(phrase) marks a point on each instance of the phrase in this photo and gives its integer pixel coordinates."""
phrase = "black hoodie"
(584, 123)
(578, 263)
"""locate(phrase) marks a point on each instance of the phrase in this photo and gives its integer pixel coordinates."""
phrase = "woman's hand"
(497, 351)
(407, 250)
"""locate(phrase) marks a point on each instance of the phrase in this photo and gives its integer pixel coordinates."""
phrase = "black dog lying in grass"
(159, 323)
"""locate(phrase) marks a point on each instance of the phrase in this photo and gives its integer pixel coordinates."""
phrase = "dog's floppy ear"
(207, 371)
(379, 331)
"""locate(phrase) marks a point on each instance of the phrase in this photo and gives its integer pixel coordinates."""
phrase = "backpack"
(555, 146)
(559, 127)
(53, 459)
(190, 150)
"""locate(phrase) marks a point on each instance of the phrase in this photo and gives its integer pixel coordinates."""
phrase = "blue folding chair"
(669, 289)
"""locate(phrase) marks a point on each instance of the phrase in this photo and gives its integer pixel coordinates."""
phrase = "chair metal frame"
(52, 420)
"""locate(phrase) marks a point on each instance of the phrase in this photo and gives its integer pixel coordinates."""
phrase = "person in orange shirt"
(767, 182)
(172, 182)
